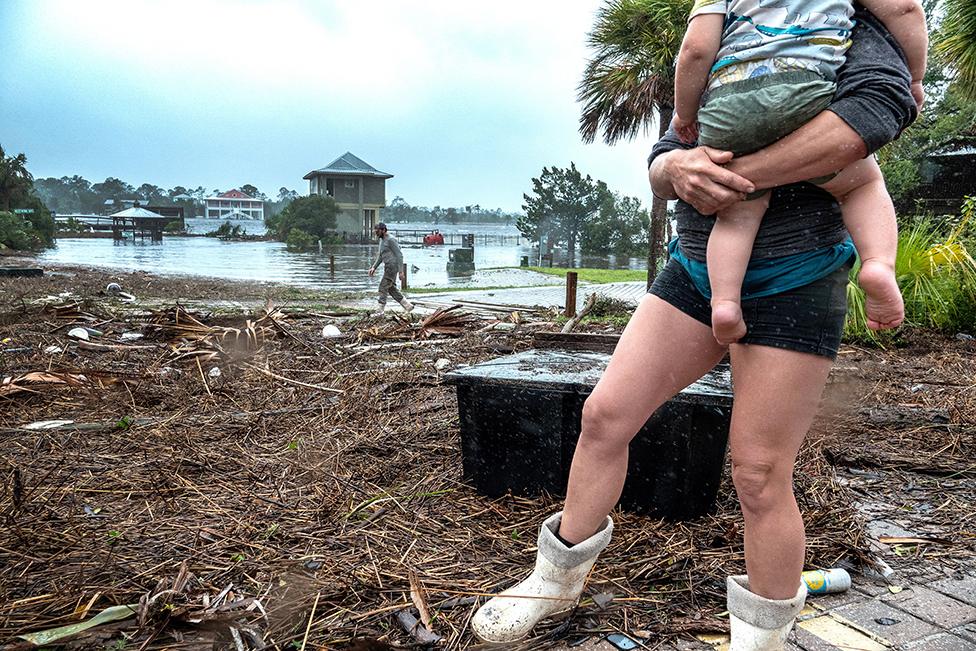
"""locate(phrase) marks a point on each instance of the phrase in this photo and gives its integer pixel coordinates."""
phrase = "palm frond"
(956, 43)
(631, 73)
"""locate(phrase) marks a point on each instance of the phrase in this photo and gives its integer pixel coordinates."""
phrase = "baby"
(766, 68)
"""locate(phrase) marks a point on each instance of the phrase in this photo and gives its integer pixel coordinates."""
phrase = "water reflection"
(272, 262)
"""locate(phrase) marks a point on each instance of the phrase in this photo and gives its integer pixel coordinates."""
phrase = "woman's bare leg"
(777, 394)
(661, 351)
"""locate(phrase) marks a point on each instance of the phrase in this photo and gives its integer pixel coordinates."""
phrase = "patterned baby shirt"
(763, 37)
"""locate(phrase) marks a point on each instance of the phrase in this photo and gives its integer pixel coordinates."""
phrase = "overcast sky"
(463, 102)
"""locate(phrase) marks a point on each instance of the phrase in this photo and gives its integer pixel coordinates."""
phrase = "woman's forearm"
(822, 146)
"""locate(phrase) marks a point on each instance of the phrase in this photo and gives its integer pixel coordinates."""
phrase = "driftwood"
(572, 323)
(904, 416)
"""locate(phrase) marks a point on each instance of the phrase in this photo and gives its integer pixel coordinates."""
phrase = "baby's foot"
(882, 298)
(727, 324)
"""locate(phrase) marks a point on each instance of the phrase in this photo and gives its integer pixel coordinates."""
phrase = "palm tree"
(15, 180)
(956, 42)
(630, 79)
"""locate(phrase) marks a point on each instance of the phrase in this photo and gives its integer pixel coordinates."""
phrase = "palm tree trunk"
(659, 211)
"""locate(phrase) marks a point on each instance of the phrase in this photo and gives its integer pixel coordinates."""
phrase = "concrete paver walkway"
(545, 296)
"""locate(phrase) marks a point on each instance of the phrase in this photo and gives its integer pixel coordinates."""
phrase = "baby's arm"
(905, 19)
(695, 60)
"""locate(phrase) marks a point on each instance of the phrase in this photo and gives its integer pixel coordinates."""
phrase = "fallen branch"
(572, 323)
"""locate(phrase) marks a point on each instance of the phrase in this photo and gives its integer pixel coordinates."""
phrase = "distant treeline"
(76, 194)
(399, 210)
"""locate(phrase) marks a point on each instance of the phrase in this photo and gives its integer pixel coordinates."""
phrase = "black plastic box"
(520, 421)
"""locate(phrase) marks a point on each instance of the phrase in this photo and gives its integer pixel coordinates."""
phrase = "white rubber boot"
(552, 588)
(380, 310)
(407, 305)
(760, 624)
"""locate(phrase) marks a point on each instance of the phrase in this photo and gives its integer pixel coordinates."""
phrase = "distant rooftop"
(351, 165)
(232, 194)
(139, 213)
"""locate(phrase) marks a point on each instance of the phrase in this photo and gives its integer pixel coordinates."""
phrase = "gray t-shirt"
(873, 97)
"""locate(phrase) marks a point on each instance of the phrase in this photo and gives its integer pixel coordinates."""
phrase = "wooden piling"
(403, 277)
(332, 264)
(571, 294)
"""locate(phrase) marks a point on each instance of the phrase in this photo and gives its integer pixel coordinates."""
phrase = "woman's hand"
(698, 178)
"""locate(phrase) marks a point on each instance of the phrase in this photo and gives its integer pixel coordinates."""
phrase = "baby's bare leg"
(870, 218)
(729, 250)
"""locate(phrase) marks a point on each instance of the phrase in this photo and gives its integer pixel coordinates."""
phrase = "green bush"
(315, 216)
(937, 277)
(228, 230)
(299, 240)
(26, 232)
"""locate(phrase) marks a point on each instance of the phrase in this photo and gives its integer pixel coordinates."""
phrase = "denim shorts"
(808, 319)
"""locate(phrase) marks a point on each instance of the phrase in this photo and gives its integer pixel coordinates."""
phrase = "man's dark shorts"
(808, 319)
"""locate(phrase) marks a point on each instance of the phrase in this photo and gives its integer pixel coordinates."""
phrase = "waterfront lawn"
(599, 276)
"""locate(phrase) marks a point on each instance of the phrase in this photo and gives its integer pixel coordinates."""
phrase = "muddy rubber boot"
(760, 624)
(552, 588)
(380, 310)
(407, 305)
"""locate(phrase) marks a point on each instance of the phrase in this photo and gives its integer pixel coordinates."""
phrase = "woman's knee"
(601, 423)
(761, 486)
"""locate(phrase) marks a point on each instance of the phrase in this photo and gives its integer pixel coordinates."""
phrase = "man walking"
(392, 260)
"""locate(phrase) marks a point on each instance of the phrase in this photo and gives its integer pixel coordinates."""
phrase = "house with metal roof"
(234, 204)
(358, 188)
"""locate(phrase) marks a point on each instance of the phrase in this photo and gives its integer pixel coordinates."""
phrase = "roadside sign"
(24, 211)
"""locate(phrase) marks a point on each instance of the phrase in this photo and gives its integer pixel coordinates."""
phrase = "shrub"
(937, 277)
(299, 240)
(21, 233)
(314, 216)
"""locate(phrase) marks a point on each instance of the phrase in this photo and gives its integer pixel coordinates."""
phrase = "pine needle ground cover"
(309, 494)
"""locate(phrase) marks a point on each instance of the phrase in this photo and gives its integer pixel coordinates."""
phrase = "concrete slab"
(963, 588)
(826, 633)
(888, 623)
(967, 631)
(940, 642)
(546, 296)
(932, 606)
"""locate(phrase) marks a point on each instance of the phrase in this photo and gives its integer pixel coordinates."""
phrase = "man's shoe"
(553, 587)
(407, 305)
(760, 624)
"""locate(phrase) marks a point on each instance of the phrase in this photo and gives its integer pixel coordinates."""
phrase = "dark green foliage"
(32, 230)
(560, 205)
(227, 230)
(618, 228)
(299, 240)
(315, 216)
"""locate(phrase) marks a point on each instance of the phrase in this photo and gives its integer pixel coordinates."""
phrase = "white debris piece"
(53, 350)
(78, 333)
(331, 331)
(442, 363)
(131, 336)
(113, 289)
(214, 372)
(47, 424)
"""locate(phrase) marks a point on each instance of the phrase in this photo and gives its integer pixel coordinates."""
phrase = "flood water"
(272, 262)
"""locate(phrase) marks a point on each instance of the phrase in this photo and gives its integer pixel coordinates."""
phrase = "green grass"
(594, 275)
